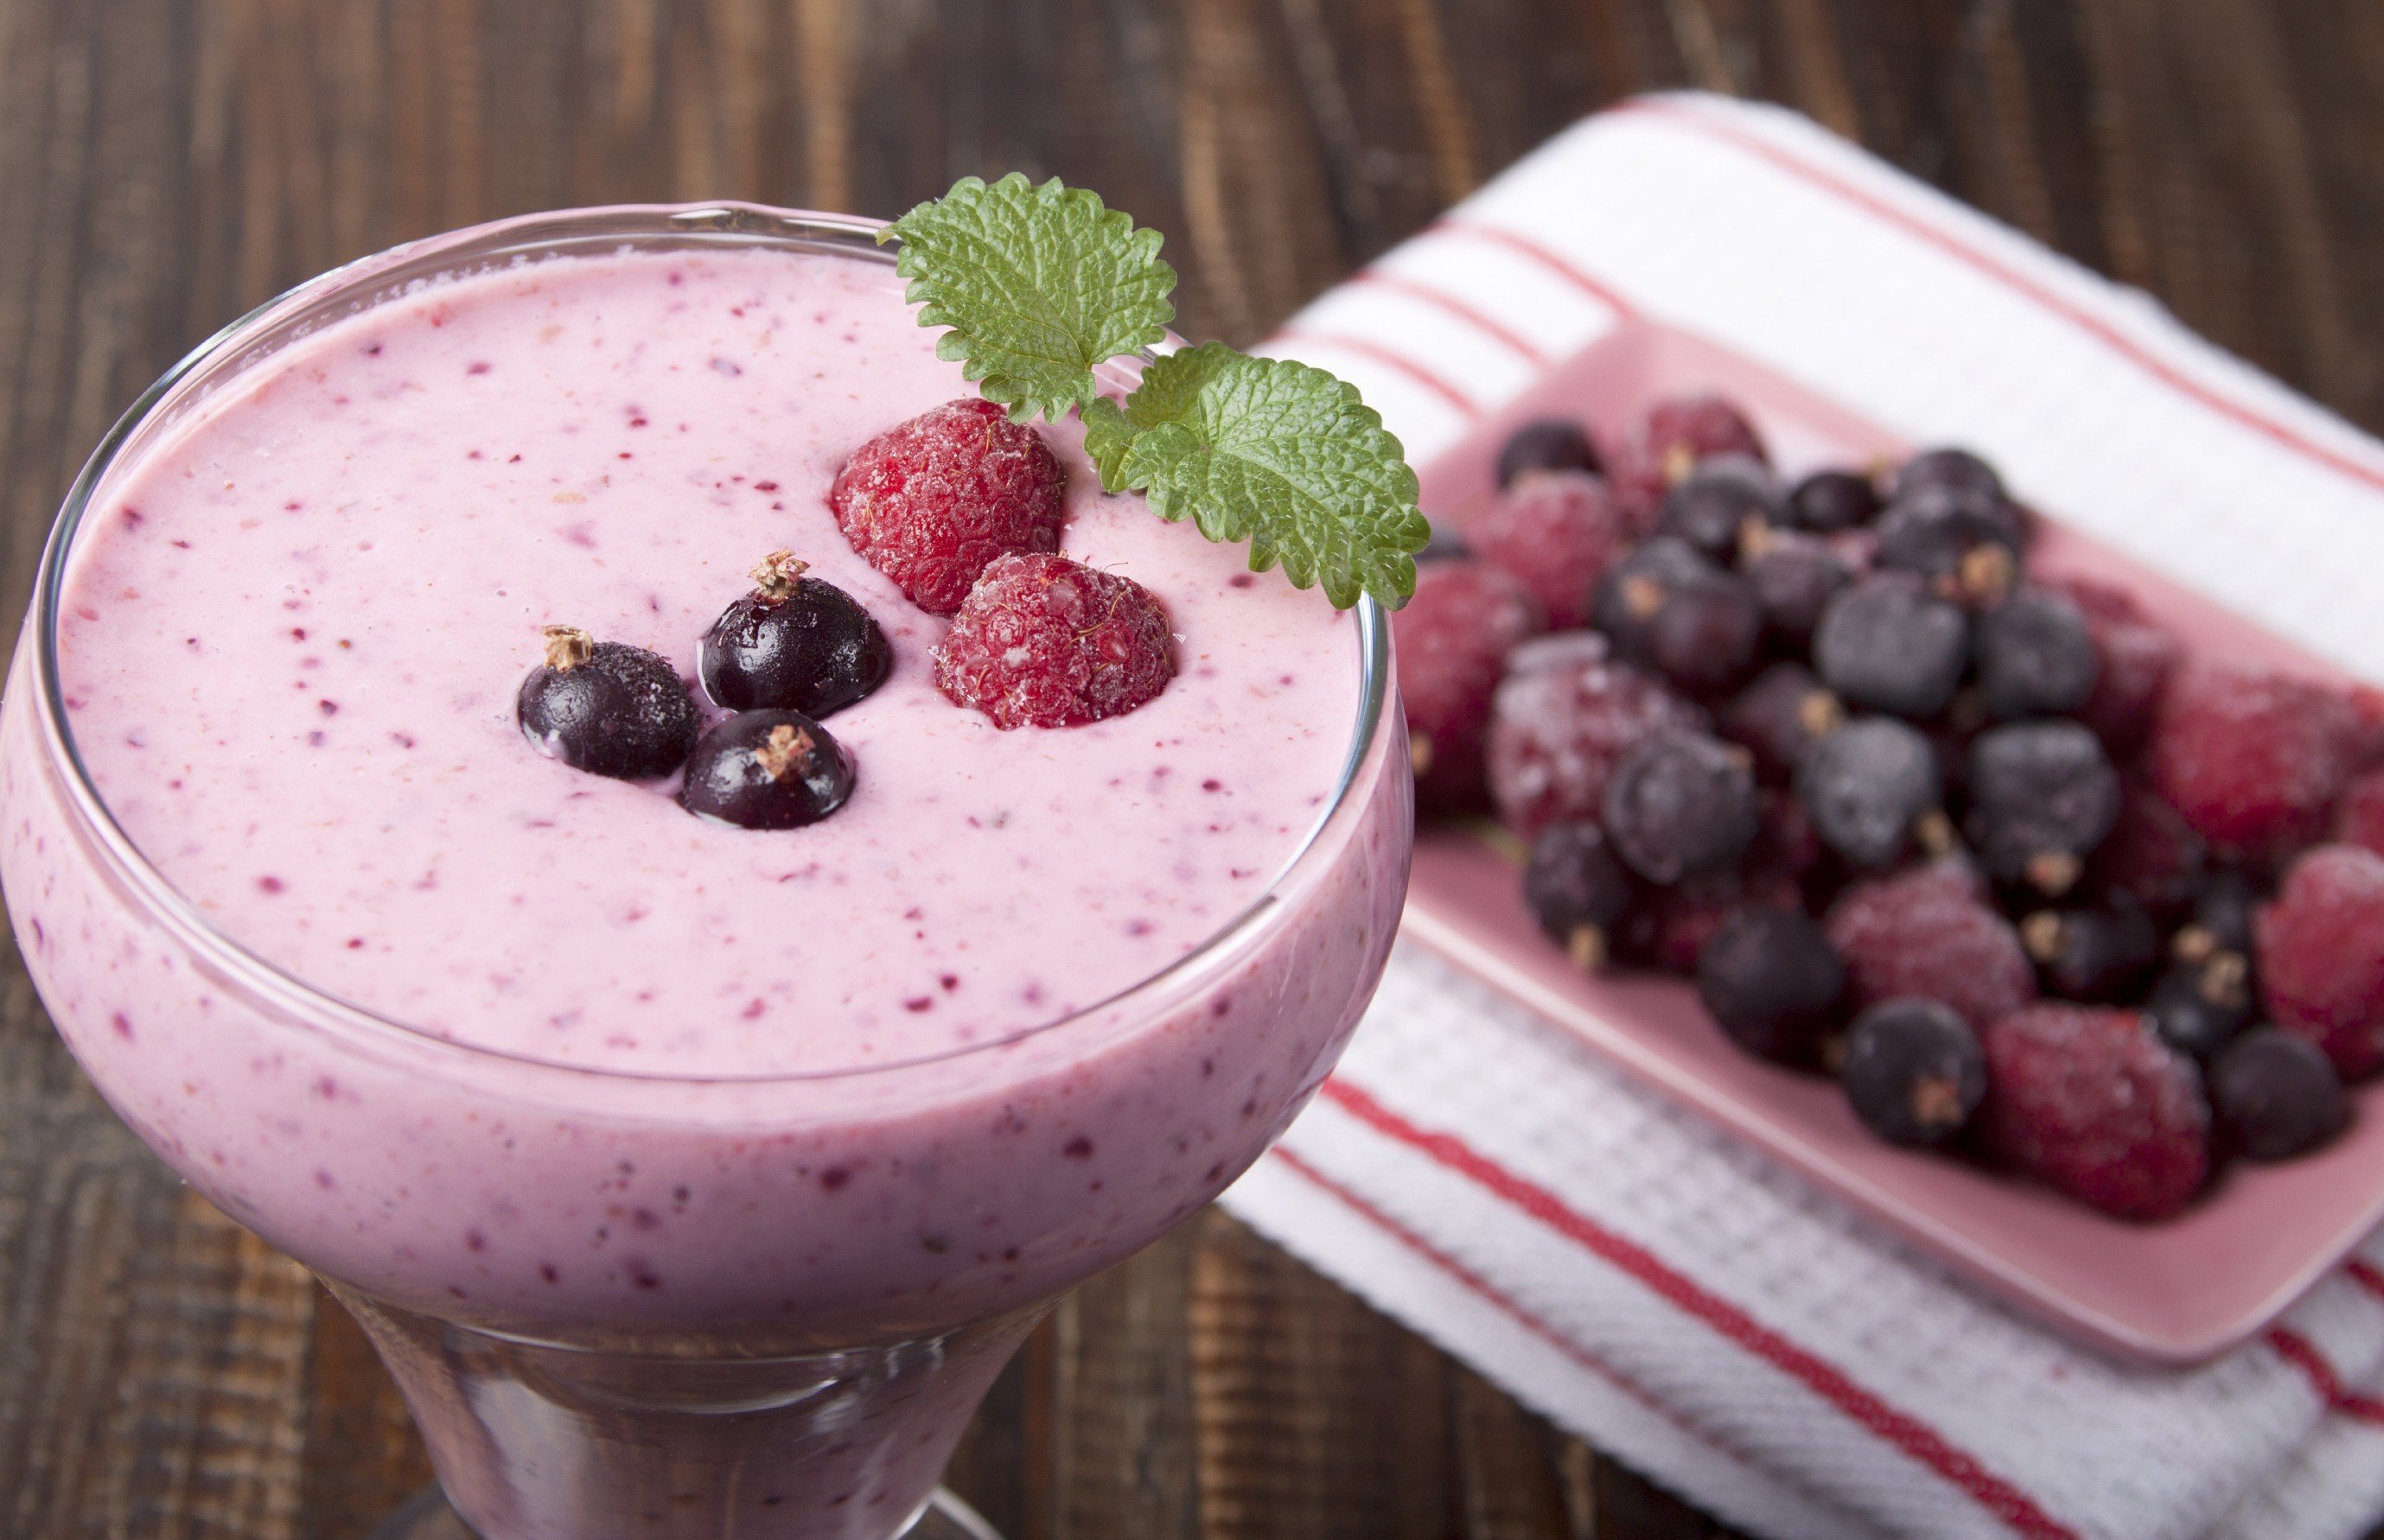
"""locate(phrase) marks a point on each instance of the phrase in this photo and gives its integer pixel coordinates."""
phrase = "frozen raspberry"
(1047, 642)
(2359, 817)
(2252, 758)
(1550, 444)
(1676, 435)
(2321, 952)
(1557, 532)
(2092, 1102)
(1922, 933)
(931, 500)
(2137, 655)
(1558, 731)
(1453, 638)
(2150, 856)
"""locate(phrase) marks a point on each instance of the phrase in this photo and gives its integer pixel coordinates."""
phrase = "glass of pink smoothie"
(692, 1181)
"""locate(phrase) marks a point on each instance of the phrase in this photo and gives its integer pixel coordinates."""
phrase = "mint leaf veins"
(1039, 285)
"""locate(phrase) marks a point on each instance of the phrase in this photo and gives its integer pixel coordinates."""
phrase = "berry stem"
(567, 647)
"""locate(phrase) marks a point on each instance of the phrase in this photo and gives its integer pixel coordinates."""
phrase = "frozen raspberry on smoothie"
(2252, 758)
(2095, 1104)
(2321, 955)
(1453, 639)
(1043, 641)
(930, 502)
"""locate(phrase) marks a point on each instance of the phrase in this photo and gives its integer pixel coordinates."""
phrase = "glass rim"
(496, 245)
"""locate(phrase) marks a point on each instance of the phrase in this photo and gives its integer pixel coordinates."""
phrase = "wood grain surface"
(167, 164)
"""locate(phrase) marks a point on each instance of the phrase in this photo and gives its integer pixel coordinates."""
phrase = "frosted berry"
(767, 770)
(2199, 1007)
(2042, 797)
(1784, 713)
(2277, 1097)
(2321, 955)
(1634, 588)
(1681, 805)
(2252, 758)
(2150, 857)
(1888, 644)
(932, 500)
(1914, 1072)
(1558, 731)
(1795, 576)
(2100, 956)
(2134, 654)
(1830, 502)
(2094, 1103)
(606, 707)
(1921, 933)
(1874, 792)
(1453, 638)
(1674, 437)
(2035, 656)
(1949, 469)
(2359, 816)
(1556, 532)
(795, 642)
(1771, 979)
(1550, 444)
(1714, 501)
(1966, 547)
(1044, 642)
(1578, 891)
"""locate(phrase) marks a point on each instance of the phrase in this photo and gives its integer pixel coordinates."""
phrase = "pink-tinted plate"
(2178, 1291)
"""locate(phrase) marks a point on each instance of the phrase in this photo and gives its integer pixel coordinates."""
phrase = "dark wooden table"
(163, 166)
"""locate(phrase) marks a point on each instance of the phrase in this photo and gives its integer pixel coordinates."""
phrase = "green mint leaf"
(1276, 453)
(1037, 284)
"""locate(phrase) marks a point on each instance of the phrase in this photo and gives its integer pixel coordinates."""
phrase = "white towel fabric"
(1636, 1274)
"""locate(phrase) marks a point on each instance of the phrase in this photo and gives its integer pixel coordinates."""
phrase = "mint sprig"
(1039, 285)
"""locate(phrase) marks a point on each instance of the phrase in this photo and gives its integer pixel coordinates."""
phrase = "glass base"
(427, 1516)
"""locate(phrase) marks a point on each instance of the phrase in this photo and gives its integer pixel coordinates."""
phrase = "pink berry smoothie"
(483, 1037)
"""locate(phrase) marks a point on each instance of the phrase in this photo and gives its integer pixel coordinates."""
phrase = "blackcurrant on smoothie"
(536, 1054)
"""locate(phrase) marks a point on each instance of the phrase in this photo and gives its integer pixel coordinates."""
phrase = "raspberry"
(1677, 434)
(1922, 933)
(1044, 642)
(2094, 1103)
(2254, 759)
(1453, 638)
(2137, 657)
(2321, 948)
(2150, 856)
(1556, 732)
(1557, 532)
(931, 500)
(2359, 817)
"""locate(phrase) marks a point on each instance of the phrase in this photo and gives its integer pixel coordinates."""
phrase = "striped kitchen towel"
(1634, 1272)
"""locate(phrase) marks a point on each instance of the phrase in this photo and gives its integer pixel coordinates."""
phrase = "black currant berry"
(767, 770)
(606, 707)
(1706, 633)
(1888, 644)
(1784, 713)
(2098, 956)
(1949, 469)
(2198, 1008)
(1577, 891)
(1548, 445)
(1873, 790)
(1966, 546)
(1772, 980)
(2222, 919)
(1715, 503)
(2043, 795)
(1914, 1072)
(1680, 806)
(2277, 1095)
(1829, 501)
(1795, 576)
(2035, 656)
(1634, 589)
(794, 643)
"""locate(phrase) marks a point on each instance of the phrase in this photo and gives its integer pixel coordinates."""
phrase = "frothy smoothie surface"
(294, 631)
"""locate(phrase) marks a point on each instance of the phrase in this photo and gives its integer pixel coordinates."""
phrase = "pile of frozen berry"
(1980, 841)
(963, 510)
